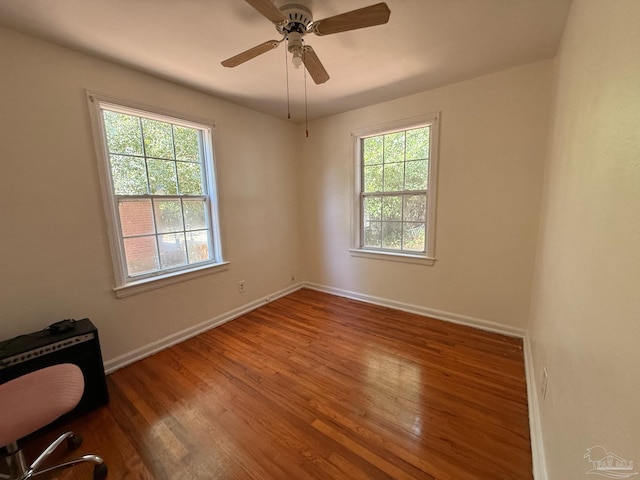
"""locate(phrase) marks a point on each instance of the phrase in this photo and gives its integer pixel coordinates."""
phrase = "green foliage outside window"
(161, 160)
(395, 170)
(169, 163)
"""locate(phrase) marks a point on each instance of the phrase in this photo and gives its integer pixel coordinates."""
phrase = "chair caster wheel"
(74, 441)
(100, 471)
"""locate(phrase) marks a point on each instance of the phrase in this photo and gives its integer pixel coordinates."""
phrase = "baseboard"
(424, 311)
(175, 338)
(114, 364)
(535, 426)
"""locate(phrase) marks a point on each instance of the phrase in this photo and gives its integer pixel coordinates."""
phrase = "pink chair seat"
(36, 399)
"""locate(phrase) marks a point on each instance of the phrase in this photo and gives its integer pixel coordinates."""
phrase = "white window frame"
(428, 258)
(125, 285)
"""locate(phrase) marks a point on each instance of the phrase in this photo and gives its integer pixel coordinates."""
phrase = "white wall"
(54, 254)
(492, 142)
(585, 323)
(55, 262)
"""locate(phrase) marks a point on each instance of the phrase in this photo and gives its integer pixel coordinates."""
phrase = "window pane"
(123, 133)
(393, 177)
(418, 143)
(172, 250)
(372, 208)
(158, 140)
(417, 175)
(198, 246)
(373, 178)
(394, 147)
(162, 177)
(129, 175)
(372, 150)
(394, 217)
(168, 215)
(186, 142)
(136, 217)
(194, 214)
(142, 255)
(392, 235)
(163, 218)
(415, 207)
(372, 234)
(414, 237)
(392, 208)
(189, 178)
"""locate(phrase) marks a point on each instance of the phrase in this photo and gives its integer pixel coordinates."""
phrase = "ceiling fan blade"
(267, 9)
(314, 65)
(377, 14)
(251, 53)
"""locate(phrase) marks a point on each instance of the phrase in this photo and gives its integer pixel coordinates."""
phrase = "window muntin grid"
(160, 191)
(394, 190)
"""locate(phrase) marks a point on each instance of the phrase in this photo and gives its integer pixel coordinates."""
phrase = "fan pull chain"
(286, 69)
(306, 115)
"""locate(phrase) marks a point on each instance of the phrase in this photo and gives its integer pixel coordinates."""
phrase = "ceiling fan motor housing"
(298, 17)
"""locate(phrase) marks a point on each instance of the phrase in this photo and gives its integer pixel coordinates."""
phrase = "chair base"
(18, 469)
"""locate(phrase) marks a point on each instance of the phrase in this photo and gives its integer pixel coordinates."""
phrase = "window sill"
(140, 286)
(393, 257)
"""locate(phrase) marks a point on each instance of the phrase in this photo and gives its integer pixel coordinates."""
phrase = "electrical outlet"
(545, 381)
(241, 286)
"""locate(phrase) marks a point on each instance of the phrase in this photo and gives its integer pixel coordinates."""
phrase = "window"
(159, 186)
(396, 190)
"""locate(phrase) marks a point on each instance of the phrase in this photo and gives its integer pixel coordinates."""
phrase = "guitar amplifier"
(65, 342)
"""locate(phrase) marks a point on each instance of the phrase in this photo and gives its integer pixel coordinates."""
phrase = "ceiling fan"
(294, 19)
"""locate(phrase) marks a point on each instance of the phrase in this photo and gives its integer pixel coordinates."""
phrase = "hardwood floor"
(313, 386)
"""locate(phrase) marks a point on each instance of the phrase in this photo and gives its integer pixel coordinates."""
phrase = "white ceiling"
(426, 44)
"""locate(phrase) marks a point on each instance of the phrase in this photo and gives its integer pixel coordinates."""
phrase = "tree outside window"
(396, 197)
(161, 192)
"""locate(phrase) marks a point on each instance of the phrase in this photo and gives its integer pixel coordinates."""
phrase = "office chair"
(32, 401)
